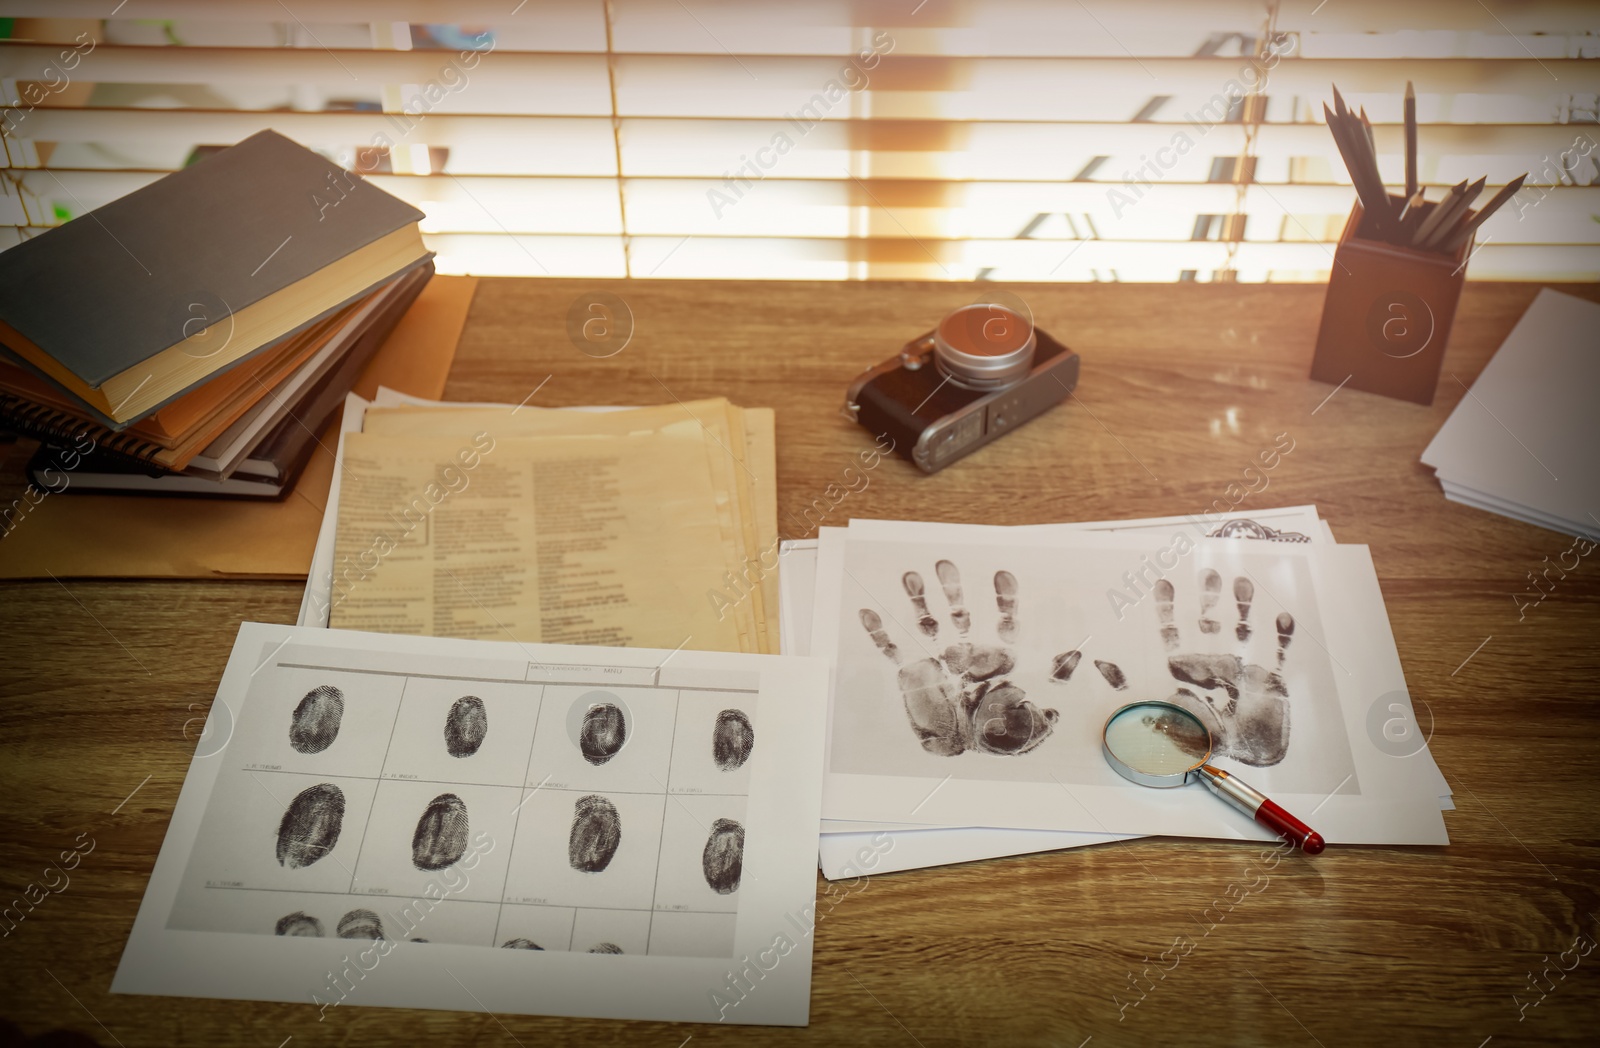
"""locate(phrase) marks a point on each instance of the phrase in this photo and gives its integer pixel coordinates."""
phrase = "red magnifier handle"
(1255, 804)
(1282, 823)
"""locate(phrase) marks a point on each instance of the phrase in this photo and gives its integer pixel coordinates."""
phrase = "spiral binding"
(53, 426)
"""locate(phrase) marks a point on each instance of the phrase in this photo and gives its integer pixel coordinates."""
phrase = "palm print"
(961, 700)
(1244, 705)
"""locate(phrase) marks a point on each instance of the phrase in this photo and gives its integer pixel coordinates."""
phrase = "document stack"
(1521, 442)
(976, 668)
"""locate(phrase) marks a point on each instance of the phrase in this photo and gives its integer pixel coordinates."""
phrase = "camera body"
(984, 371)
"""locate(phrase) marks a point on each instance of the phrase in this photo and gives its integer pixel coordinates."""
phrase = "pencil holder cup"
(1387, 315)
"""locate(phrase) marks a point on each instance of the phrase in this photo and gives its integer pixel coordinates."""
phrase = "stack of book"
(195, 336)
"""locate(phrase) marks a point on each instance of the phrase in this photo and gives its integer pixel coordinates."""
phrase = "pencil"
(1458, 207)
(1411, 140)
(1417, 211)
(1437, 215)
(1410, 209)
(1372, 201)
(1496, 202)
(1370, 158)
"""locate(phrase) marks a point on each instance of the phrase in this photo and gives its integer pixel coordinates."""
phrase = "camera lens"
(984, 346)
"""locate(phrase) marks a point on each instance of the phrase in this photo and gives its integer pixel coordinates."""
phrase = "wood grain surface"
(104, 684)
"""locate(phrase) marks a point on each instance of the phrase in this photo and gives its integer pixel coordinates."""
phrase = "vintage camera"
(984, 371)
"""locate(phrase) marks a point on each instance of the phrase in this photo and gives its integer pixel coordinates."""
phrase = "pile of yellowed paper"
(638, 527)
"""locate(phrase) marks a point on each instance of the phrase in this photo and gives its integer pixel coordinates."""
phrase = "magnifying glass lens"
(1162, 744)
(1158, 739)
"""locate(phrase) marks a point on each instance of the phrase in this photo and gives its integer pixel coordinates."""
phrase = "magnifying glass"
(1162, 744)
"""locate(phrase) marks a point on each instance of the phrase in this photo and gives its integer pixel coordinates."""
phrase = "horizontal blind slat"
(883, 136)
(879, 210)
(739, 23)
(764, 85)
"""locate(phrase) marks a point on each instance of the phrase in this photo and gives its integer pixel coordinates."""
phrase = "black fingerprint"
(520, 944)
(723, 859)
(950, 580)
(605, 947)
(310, 827)
(604, 732)
(1244, 591)
(1210, 593)
(441, 836)
(1169, 630)
(1062, 665)
(298, 923)
(731, 739)
(1005, 598)
(1113, 674)
(360, 924)
(465, 726)
(596, 832)
(315, 723)
(874, 627)
(919, 603)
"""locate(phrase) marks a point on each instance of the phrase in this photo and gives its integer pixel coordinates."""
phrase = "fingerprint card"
(545, 820)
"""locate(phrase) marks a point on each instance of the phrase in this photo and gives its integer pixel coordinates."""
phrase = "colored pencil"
(1458, 207)
(1411, 140)
(1437, 215)
(1410, 211)
(1367, 185)
(1454, 240)
(1408, 221)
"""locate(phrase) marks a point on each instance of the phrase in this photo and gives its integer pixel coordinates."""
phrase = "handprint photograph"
(1002, 663)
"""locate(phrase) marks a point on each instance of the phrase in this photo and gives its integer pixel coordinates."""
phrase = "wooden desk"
(1182, 386)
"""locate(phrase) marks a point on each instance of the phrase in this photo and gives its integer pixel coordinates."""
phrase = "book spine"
(54, 427)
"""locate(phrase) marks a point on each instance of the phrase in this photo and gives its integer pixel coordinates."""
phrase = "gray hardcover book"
(119, 285)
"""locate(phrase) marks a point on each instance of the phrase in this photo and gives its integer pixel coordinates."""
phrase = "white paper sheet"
(316, 602)
(878, 771)
(1206, 531)
(1588, 528)
(485, 798)
(858, 854)
(1526, 431)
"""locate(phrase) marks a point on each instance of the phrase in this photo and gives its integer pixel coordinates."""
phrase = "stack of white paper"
(1521, 443)
(1071, 616)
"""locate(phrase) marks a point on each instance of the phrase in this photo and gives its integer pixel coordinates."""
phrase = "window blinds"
(1016, 140)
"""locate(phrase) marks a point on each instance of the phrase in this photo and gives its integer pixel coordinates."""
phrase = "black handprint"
(1244, 706)
(961, 701)
(1251, 723)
